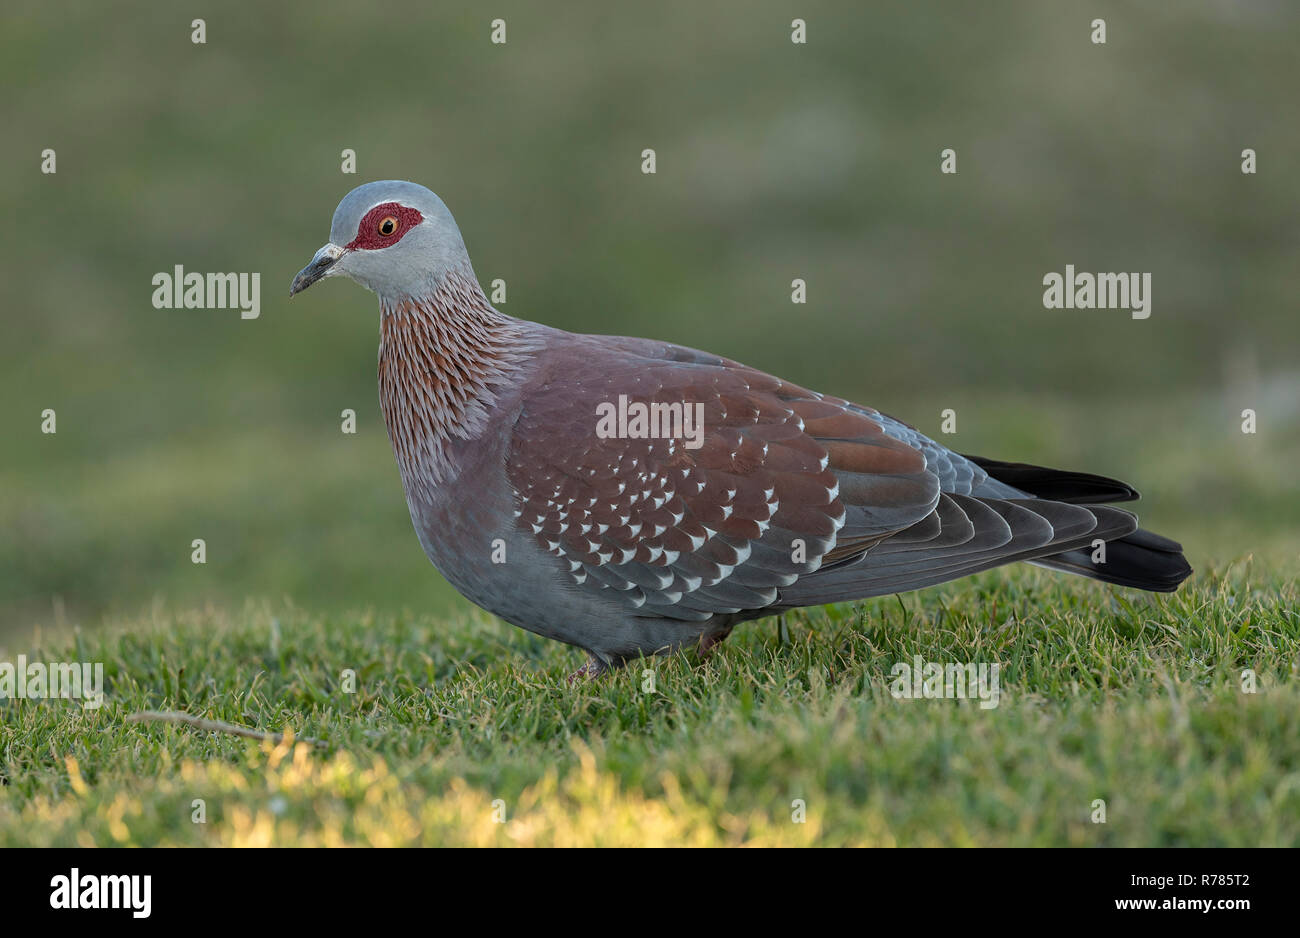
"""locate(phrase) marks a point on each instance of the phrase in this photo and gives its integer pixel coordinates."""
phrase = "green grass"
(1106, 694)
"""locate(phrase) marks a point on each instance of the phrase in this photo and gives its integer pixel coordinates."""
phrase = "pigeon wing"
(776, 482)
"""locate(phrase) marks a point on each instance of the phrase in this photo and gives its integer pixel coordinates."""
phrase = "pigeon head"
(393, 237)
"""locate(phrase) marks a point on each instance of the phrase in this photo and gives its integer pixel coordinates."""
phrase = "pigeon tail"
(1143, 559)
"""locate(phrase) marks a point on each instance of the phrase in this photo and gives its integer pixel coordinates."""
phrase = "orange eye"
(388, 226)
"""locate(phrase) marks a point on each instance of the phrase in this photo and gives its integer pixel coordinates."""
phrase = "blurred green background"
(775, 161)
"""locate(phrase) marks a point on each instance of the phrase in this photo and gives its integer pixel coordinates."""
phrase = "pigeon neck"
(443, 360)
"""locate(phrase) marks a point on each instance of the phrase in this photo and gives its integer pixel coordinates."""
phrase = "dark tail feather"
(1077, 488)
(1142, 560)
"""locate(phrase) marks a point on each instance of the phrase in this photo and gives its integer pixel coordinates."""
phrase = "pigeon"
(633, 497)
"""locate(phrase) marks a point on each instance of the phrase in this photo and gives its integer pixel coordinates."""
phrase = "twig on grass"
(216, 726)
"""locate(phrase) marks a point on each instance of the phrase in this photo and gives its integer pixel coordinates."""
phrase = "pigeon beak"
(320, 266)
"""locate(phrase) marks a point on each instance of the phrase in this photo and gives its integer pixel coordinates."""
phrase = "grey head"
(394, 237)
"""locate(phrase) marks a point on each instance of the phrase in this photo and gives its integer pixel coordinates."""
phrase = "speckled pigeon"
(631, 542)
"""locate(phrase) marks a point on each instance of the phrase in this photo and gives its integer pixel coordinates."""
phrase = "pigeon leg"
(593, 669)
(711, 641)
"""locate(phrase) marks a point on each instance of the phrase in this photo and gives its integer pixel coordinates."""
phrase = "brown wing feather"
(688, 533)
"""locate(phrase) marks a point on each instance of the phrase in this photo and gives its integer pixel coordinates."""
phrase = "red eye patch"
(373, 234)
